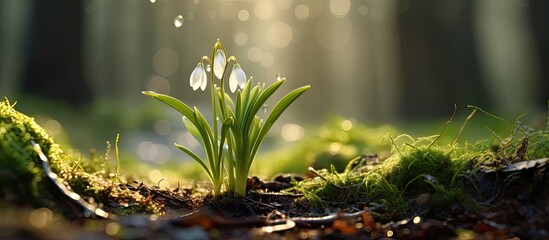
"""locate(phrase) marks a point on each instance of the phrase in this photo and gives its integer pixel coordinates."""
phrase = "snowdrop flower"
(220, 61)
(231, 127)
(198, 78)
(237, 78)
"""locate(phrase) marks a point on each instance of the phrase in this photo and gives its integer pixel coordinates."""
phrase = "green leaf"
(261, 99)
(196, 158)
(238, 106)
(224, 128)
(192, 129)
(229, 101)
(206, 133)
(275, 113)
(174, 103)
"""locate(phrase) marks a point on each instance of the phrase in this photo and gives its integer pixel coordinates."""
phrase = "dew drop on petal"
(178, 21)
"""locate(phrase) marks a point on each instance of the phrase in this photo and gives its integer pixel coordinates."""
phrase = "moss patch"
(423, 176)
(24, 182)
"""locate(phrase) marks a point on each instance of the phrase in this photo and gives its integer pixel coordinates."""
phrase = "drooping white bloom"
(220, 61)
(237, 78)
(204, 81)
(198, 77)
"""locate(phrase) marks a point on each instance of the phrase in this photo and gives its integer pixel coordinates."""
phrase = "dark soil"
(519, 209)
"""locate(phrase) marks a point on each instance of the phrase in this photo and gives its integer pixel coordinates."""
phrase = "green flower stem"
(241, 131)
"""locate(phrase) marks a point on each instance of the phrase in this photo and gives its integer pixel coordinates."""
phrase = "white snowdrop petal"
(196, 76)
(204, 81)
(233, 81)
(240, 76)
(219, 63)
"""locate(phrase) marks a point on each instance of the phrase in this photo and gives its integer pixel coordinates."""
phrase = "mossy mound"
(421, 170)
(22, 178)
(24, 182)
(423, 176)
(412, 168)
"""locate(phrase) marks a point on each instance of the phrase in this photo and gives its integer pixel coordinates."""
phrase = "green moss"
(23, 180)
(441, 176)
(538, 146)
(406, 171)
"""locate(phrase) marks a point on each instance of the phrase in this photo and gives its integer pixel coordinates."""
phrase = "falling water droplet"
(278, 77)
(264, 108)
(208, 68)
(153, 1)
(178, 21)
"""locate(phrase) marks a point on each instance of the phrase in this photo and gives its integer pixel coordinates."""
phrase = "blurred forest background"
(80, 65)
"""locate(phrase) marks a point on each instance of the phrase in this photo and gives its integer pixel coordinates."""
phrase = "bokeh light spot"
(165, 62)
(112, 228)
(334, 148)
(302, 11)
(291, 132)
(267, 59)
(254, 54)
(346, 125)
(187, 139)
(340, 8)
(40, 217)
(263, 10)
(147, 151)
(158, 84)
(164, 154)
(155, 176)
(243, 15)
(52, 126)
(279, 35)
(362, 9)
(240, 38)
(162, 127)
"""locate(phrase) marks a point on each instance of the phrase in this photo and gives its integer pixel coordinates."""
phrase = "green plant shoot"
(232, 141)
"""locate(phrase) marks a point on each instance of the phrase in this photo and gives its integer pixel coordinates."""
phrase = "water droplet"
(178, 21)
(153, 1)
(430, 178)
(208, 68)
(217, 118)
(278, 77)
(265, 108)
